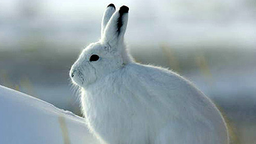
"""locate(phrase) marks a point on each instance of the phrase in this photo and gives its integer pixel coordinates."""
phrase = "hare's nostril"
(73, 73)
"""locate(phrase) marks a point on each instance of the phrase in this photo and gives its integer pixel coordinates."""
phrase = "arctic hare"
(125, 102)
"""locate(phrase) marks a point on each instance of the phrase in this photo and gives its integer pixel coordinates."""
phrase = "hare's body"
(124, 108)
(128, 103)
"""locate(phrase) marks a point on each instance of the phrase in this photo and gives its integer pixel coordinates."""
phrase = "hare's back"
(169, 88)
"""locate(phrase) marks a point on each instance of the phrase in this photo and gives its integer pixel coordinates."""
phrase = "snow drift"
(25, 119)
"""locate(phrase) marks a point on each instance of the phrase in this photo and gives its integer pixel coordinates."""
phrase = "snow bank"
(27, 120)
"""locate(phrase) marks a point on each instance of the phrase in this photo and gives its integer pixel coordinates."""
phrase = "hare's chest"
(113, 118)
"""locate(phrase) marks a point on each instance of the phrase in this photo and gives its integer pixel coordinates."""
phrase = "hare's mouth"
(77, 78)
(80, 77)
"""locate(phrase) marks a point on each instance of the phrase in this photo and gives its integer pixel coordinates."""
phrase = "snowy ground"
(27, 120)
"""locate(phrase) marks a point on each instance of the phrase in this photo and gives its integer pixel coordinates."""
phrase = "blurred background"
(212, 43)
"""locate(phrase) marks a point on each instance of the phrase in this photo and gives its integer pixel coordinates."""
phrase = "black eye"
(94, 57)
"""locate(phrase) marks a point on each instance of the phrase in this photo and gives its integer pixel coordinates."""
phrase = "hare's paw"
(178, 132)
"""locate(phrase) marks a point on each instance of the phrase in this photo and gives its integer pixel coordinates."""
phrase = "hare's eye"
(94, 57)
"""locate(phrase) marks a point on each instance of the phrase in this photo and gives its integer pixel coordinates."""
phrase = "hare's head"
(108, 54)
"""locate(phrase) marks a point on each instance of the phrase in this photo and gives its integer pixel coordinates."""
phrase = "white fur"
(129, 103)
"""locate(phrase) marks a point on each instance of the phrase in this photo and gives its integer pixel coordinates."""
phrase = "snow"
(25, 119)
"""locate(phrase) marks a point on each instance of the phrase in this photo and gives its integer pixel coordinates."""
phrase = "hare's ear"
(106, 17)
(116, 27)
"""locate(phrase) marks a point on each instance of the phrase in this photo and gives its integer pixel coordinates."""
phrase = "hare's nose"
(73, 73)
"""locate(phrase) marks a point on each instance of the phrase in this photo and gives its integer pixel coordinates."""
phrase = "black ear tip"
(123, 9)
(111, 5)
